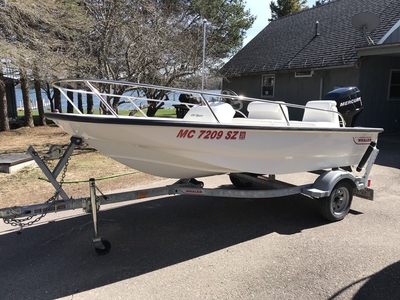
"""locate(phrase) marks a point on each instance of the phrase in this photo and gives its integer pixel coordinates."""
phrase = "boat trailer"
(334, 189)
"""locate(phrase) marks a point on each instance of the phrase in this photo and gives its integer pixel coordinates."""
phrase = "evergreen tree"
(320, 2)
(282, 8)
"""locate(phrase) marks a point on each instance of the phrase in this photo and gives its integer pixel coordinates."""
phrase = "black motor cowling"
(348, 103)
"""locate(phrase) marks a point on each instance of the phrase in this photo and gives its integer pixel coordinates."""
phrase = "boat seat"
(268, 110)
(201, 113)
(322, 118)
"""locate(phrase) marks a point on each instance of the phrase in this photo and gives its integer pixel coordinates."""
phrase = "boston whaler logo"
(191, 191)
(362, 140)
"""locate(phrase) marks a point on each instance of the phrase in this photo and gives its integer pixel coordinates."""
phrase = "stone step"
(13, 162)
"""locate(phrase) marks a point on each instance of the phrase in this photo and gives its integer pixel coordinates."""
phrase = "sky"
(260, 8)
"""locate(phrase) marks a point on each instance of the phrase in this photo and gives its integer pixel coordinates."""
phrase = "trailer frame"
(335, 189)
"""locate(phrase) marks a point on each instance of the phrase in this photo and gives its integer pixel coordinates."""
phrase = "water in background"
(96, 101)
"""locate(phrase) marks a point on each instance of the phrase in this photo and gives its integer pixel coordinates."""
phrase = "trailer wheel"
(239, 183)
(337, 205)
(105, 249)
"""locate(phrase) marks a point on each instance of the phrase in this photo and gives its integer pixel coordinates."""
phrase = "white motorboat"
(219, 133)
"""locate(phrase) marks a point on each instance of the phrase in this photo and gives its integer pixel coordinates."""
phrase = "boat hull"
(176, 148)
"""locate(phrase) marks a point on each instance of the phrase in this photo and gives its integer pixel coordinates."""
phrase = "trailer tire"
(239, 183)
(336, 206)
(106, 247)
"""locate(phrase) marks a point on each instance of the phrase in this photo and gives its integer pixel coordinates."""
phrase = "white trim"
(383, 49)
(383, 39)
(304, 74)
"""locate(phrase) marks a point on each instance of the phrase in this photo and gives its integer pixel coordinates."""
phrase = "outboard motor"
(348, 103)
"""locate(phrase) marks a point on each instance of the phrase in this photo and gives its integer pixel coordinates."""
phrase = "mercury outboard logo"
(352, 101)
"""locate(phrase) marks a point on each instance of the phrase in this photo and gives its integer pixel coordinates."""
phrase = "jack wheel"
(106, 247)
(239, 183)
(196, 182)
(337, 205)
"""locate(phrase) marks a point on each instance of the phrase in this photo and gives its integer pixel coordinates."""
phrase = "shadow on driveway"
(58, 259)
(382, 285)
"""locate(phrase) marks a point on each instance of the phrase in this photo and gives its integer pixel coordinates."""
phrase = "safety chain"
(23, 222)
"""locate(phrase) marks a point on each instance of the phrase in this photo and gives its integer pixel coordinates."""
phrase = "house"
(305, 55)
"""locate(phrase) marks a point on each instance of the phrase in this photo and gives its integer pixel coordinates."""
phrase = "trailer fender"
(324, 184)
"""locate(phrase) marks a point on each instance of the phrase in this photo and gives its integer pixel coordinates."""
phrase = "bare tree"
(157, 42)
(4, 124)
(160, 42)
(90, 108)
(42, 39)
(39, 98)
(57, 100)
(28, 117)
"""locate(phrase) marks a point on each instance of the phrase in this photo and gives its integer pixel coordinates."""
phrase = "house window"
(268, 86)
(394, 88)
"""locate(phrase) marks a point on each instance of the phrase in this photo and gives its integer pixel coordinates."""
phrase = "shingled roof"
(291, 42)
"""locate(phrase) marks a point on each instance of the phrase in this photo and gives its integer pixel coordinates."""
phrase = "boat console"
(215, 112)
(266, 110)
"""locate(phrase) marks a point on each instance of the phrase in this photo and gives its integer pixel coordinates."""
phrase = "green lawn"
(165, 113)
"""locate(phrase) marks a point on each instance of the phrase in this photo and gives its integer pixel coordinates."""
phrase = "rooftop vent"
(317, 28)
